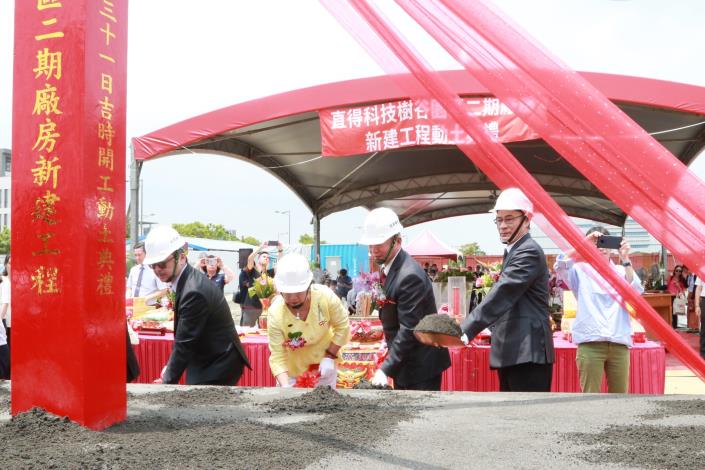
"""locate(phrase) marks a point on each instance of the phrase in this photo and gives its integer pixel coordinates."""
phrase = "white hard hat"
(513, 199)
(293, 274)
(161, 242)
(381, 224)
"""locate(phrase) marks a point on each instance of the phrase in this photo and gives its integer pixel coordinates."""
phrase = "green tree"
(201, 230)
(471, 249)
(307, 239)
(250, 241)
(5, 240)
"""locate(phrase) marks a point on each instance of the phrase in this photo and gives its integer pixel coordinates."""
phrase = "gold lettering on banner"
(105, 158)
(107, 11)
(105, 259)
(106, 133)
(45, 171)
(46, 140)
(45, 208)
(108, 33)
(106, 209)
(46, 280)
(106, 184)
(105, 284)
(105, 235)
(106, 109)
(107, 57)
(46, 101)
(46, 4)
(45, 237)
(48, 64)
(106, 82)
(42, 37)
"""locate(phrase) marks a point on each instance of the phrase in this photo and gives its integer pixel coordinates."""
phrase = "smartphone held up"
(609, 241)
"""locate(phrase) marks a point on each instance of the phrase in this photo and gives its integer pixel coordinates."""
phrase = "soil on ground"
(367, 385)
(649, 446)
(236, 434)
(439, 323)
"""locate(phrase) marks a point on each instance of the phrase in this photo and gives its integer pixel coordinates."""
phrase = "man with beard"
(206, 345)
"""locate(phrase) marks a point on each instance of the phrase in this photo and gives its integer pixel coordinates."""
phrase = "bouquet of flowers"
(484, 283)
(369, 284)
(263, 288)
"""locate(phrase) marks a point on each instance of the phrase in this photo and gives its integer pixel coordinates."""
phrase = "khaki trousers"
(599, 357)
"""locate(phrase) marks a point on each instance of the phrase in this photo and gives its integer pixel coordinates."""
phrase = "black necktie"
(139, 282)
(504, 259)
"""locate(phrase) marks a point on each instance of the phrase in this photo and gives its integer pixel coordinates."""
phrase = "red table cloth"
(469, 369)
(153, 354)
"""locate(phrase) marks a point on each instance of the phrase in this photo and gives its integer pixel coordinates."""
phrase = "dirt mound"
(365, 385)
(4, 401)
(206, 396)
(319, 400)
(197, 437)
(676, 407)
(646, 445)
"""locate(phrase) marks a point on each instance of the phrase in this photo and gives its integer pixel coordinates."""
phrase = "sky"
(186, 58)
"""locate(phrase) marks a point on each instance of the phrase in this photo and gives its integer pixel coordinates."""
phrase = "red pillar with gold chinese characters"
(68, 206)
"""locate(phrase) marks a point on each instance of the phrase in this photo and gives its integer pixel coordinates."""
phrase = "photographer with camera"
(257, 269)
(214, 268)
(602, 328)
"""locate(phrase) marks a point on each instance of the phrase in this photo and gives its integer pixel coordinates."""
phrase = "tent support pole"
(317, 238)
(133, 210)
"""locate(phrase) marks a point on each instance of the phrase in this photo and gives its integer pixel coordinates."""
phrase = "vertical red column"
(68, 200)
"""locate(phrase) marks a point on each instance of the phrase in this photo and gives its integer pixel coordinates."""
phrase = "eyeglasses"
(679, 270)
(161, 264)
(506, 220)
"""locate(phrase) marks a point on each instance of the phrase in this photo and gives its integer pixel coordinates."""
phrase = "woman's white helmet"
(293, 274)
(380, 225)
(513, 199)
(161, 242)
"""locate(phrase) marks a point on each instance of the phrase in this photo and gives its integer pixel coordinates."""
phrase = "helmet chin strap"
(298, 306)
(516, 230)
(176, 265)
(389, 251)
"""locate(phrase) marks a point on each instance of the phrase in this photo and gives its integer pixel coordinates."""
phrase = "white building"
(639, 239)
(5, 186)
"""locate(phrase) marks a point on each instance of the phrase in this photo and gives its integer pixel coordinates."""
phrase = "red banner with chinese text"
(68, 206)
(410, 123)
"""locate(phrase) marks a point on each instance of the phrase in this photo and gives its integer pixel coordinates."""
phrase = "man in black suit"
(517, 306)
(409, 298)
(205, 342)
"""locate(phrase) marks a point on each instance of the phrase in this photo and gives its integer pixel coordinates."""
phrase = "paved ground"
(434, 431)
(680, 379)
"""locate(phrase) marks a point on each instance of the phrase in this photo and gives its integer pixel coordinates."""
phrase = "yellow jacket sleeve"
(278, 357)
(339, 320)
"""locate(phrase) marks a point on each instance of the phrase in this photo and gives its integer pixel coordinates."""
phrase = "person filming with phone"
(602, 328)
(214, 268)
(257, 270)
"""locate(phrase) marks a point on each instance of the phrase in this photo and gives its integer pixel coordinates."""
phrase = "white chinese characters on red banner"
(411, 123)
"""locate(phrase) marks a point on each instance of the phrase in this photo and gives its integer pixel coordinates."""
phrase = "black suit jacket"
(205, 342)
(517, 306)
(408, 361)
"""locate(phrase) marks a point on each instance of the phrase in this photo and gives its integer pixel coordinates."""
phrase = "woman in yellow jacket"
(307, 325)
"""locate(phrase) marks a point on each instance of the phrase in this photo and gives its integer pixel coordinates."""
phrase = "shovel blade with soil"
(439, 330)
